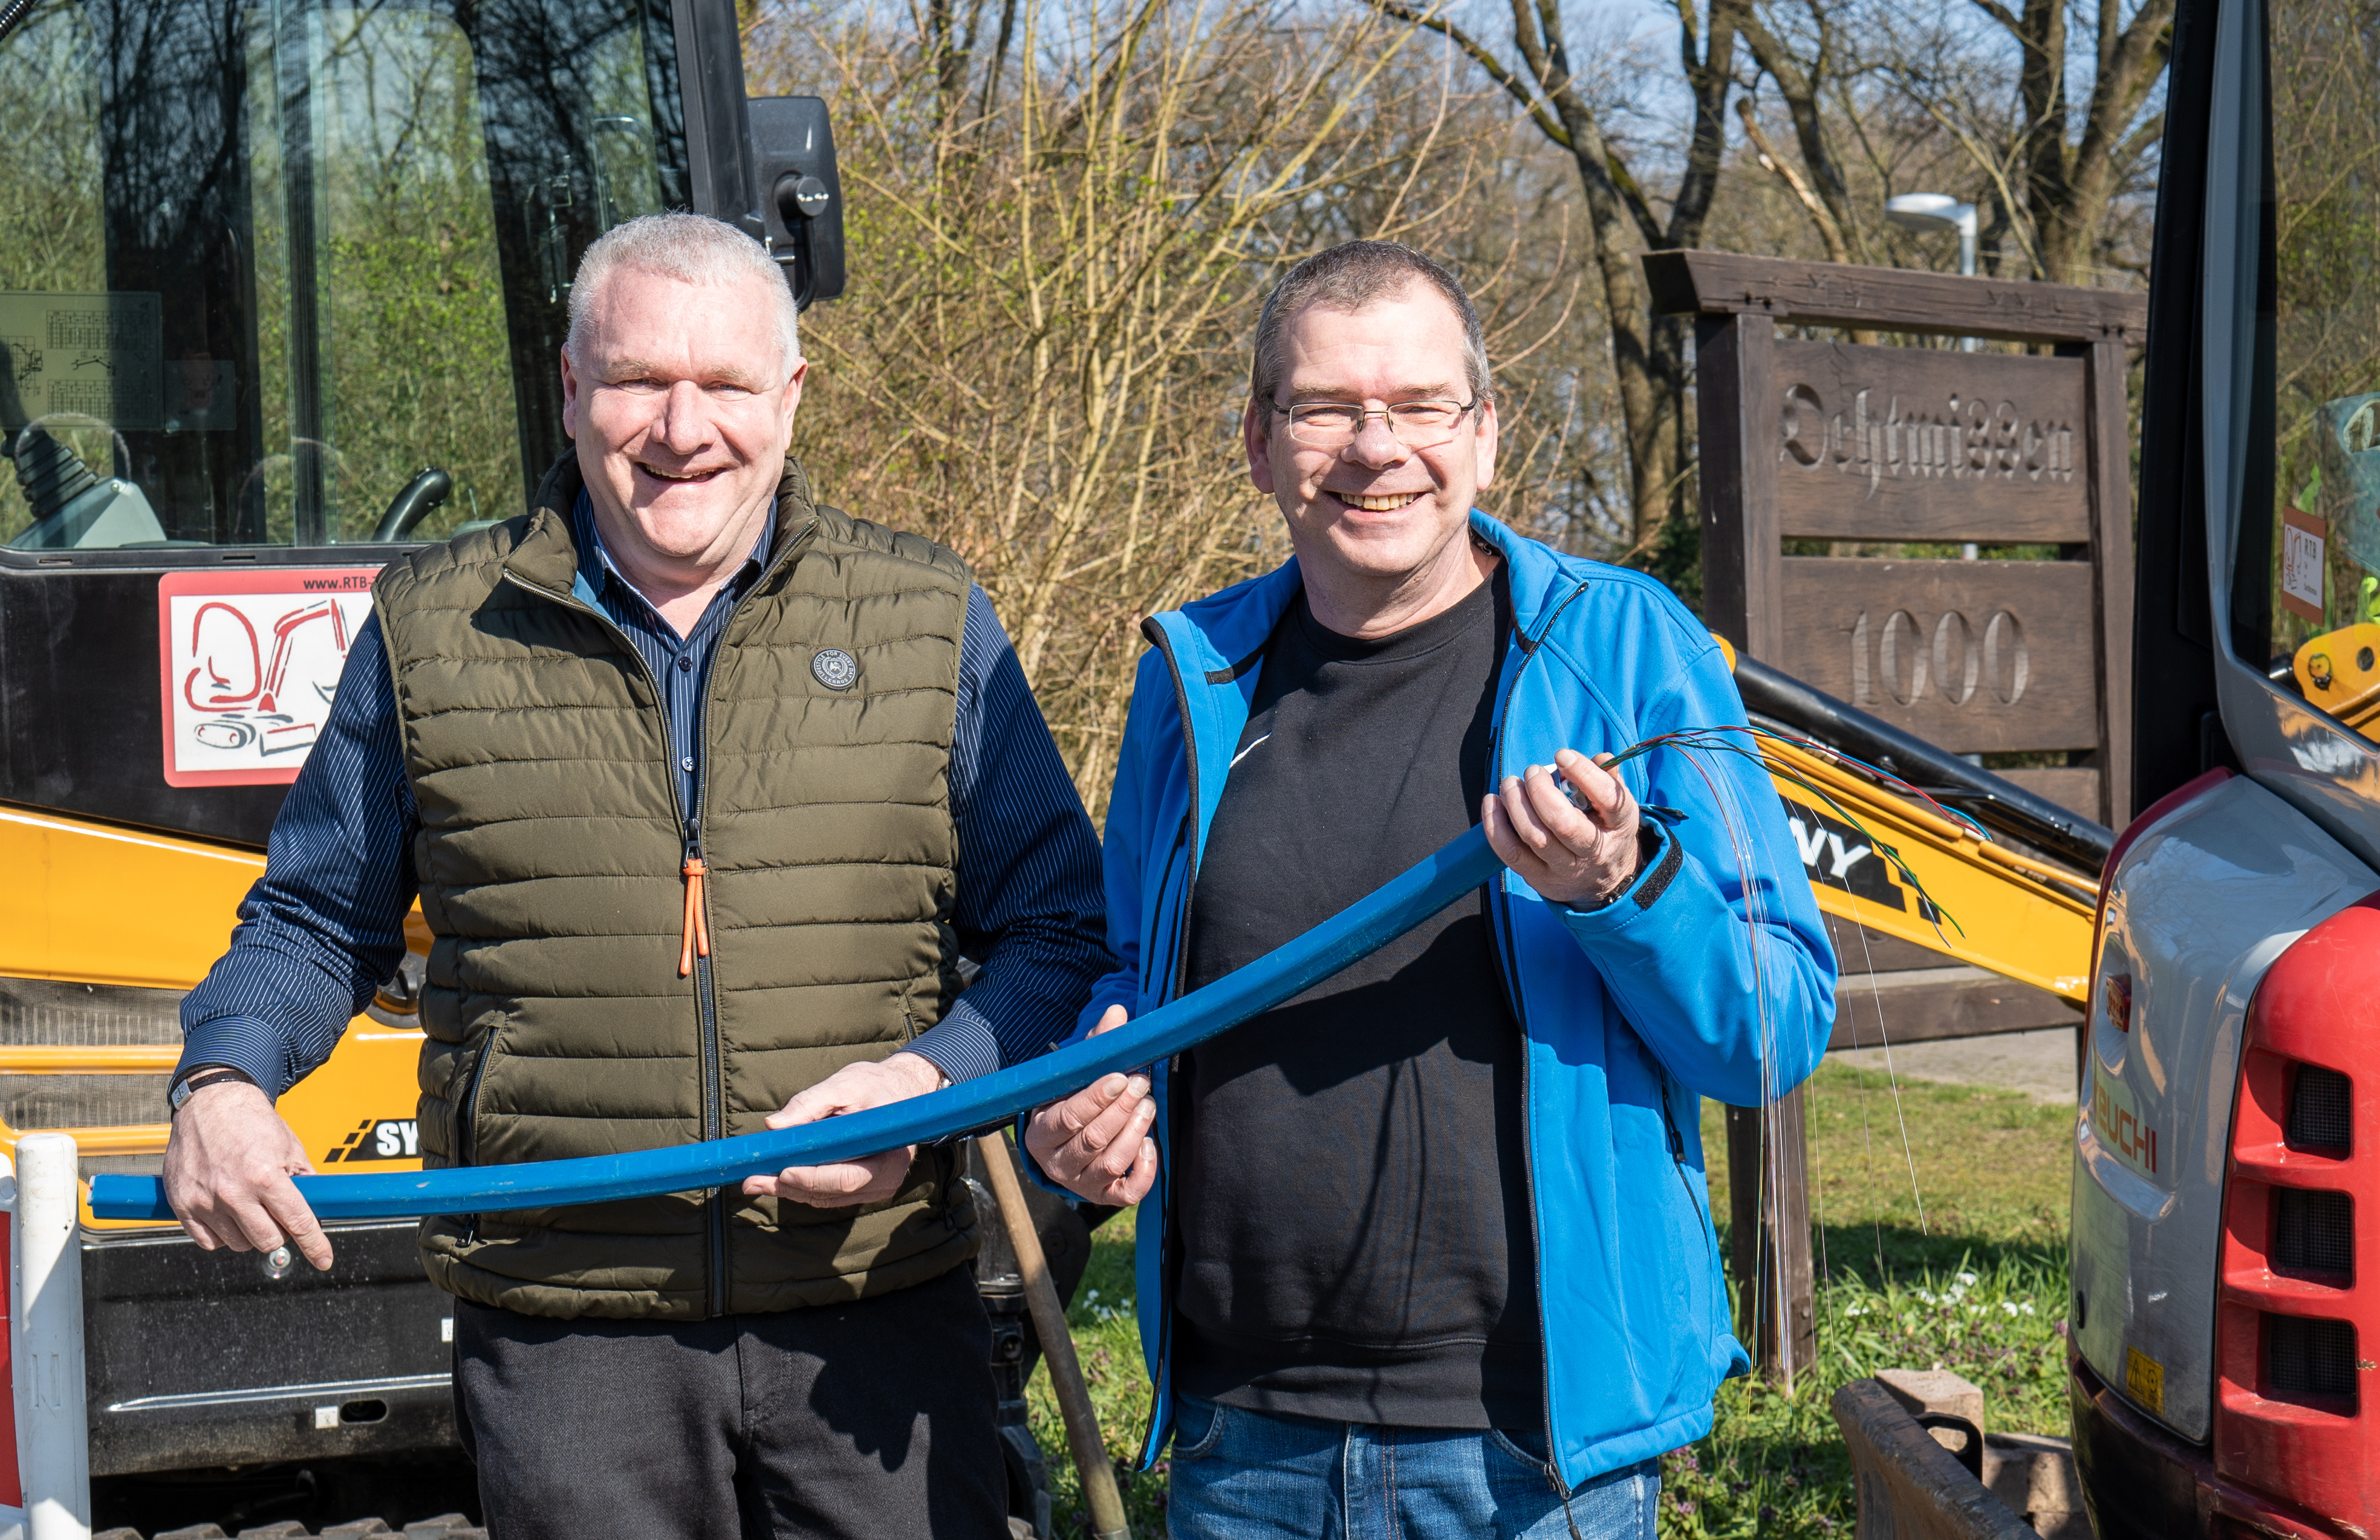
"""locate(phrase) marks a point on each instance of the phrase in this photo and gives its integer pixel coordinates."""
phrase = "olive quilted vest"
(550, 859)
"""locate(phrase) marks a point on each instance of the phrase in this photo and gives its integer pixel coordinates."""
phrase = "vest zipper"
(714, 1112)
(706, 1001)
(466, 1133)
(697, 869)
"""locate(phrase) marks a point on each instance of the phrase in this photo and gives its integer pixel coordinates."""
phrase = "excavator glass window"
(261, 265)
(2306, 590)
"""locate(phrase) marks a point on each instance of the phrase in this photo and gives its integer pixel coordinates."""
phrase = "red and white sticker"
(248, 663)
(2303, 539)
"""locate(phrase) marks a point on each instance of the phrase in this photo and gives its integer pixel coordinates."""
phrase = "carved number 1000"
(1896, 660)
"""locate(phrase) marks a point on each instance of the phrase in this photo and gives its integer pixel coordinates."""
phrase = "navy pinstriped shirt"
(325, 924)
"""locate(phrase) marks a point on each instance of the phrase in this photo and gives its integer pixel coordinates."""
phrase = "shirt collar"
(594, 556)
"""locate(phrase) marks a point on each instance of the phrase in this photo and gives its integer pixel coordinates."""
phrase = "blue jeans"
(1251, 1475)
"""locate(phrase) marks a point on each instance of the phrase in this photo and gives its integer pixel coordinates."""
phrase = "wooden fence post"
(1768, 1251)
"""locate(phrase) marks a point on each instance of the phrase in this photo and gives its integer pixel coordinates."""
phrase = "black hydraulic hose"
(1996, 803)
(422, 495)
(13, 14)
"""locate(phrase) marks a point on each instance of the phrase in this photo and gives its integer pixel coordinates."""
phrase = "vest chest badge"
(834, 668)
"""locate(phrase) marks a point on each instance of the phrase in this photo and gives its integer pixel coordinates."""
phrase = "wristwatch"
(202, 1076)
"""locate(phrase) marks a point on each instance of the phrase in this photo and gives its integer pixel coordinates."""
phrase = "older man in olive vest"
(705, 790)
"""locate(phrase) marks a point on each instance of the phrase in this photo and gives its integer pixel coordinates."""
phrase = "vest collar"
(545, 556)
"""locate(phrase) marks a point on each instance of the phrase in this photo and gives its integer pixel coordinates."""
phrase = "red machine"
(2224, 1271)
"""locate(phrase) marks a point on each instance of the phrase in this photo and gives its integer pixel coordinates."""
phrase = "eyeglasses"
(1337, 424)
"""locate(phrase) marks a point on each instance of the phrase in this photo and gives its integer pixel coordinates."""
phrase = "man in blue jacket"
(1431, 1251)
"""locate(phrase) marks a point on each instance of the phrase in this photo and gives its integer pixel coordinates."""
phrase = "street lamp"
(1939, 211)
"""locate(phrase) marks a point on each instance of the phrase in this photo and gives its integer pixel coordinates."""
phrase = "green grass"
(1976, 1285)
(1108, 1341)
(1947, 1251)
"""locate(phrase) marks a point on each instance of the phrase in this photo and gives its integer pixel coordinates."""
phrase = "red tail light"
(2298, 1317)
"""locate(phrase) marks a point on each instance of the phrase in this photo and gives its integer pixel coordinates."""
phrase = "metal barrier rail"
(118, 1139)
(1363, 927)
(89, 1061)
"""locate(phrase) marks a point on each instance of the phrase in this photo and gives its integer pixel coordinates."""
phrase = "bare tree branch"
(1829, 231)
(1492, 66)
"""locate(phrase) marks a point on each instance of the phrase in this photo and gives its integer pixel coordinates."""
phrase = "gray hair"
(692, 249)
(1354, 277)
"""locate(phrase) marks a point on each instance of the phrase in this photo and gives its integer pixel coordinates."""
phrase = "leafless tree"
(1649, 351)
(2048, 168)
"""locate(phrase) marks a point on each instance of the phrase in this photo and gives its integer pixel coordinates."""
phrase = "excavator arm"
(1898, 865)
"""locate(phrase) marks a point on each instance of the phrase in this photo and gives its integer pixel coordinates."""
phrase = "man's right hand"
(1095, 1144)
(228, 1162)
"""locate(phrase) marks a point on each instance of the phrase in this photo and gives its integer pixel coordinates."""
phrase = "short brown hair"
(1354, 277)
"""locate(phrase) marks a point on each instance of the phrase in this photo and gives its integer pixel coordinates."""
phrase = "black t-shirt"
(1353, 1211)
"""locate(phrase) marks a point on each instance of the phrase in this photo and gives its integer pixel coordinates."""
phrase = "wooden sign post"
(1820, 440)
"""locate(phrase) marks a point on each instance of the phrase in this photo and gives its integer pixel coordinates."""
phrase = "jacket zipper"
(1678, 1163)
(1501, 927)
(706, 1000)
(1187, 843)
(714, 1077)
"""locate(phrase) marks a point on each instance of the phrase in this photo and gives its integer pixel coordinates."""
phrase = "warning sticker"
(2304, 540)
(97, 355)
(2144, 1381)
(248, 664)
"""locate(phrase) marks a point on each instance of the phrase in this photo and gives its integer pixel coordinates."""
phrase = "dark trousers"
(846, 1422)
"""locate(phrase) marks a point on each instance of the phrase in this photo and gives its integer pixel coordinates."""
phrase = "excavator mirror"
(801, 197)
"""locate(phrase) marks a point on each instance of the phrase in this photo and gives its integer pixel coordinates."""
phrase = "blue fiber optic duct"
(1356, 932)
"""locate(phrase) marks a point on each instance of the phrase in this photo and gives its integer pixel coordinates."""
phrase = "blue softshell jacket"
(1710, 977)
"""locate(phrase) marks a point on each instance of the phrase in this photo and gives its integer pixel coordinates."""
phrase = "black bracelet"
(198, 1080)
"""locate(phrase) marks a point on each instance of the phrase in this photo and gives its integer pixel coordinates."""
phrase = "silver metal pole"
(52, 1422)
(1967, 269)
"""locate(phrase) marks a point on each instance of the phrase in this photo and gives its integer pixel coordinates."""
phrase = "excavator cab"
(2225, 1322)
(286, 282)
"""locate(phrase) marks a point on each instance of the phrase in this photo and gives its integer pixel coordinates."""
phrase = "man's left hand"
(853, 1088)
(1585, 853)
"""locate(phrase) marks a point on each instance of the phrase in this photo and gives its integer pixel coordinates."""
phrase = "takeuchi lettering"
(2120, 1129)
(1966, 438)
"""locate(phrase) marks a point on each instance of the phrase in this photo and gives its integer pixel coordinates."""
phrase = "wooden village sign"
(1809, 440)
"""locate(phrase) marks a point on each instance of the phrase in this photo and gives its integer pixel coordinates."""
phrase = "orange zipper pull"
(697, 931)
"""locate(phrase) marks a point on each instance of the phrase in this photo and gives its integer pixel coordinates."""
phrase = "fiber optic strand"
(1716, 740)
(1769, 1326)
(1884, 856)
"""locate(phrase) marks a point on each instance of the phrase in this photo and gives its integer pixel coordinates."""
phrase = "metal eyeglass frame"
(1385, 413)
